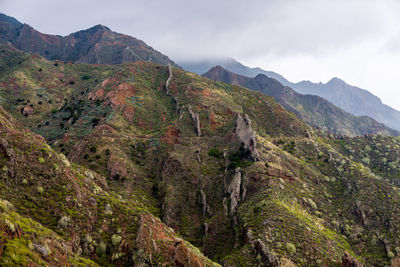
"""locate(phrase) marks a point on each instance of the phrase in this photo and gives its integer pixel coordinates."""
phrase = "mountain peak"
(336, 80)
(217, 70)
(10, 20)
(99, 27)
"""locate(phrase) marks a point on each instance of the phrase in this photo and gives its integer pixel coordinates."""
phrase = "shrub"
(116, 239)
(290, 248)
(5, 205)
(312, 204)
(71, 82)
(214, 152)
(95, 121)
(40, 189)
(41, 160)
(102, 248)
(64, 221)
(85, 77)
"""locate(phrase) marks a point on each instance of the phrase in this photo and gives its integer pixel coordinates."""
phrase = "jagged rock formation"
(347, 261)
(196, 120)
(206, 208)
(166, 89)
(246, 135)
(268, 259)
(234, 191)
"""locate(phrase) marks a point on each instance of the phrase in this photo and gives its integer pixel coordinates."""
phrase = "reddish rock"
(28, 110)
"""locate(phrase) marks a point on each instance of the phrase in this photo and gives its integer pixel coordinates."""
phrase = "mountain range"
(312, 109)
(351, 99)
(146, 164)
(94, 46)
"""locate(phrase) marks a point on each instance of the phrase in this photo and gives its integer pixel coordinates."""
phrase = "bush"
(312, 204)
(116, 239)
(214, 152)
(102, 248)
(85, 77)
(64, 221)
(41, 160)
(290, 248)
(40, 189)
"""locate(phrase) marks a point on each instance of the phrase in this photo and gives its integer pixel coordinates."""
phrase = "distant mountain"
(355, 100)
(95, 45)
(312, 109)
(352, 99)
(230, 64)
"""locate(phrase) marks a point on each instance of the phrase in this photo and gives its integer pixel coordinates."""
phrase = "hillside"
(57, 213)
(312, 109)
(94, 46)
(155, 153)
(354, 100)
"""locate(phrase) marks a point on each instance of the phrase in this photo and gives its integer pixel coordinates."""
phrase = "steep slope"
(312, 109)
(227, 168)
(351, 99)
(95, 45)
(73, 213)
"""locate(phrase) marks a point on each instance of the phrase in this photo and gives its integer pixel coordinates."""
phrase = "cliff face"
(126, 178)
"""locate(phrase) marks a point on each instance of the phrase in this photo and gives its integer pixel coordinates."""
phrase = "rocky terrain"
(145, 164)
(312, 109)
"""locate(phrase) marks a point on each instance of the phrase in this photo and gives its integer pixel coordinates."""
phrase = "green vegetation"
(125, 161)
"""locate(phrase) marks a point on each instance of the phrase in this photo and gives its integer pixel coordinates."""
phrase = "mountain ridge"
(312, 109)
(354, 100)
(95, 45)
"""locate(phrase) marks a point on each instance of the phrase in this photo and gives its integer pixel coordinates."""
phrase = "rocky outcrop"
(246, 135)
(9, 152)
(206, 208)
(268, 258)
(169, 79)
(234, 191)
(157, 241)
(361, 214)
(166, 89)
(348, 261)
(26, 111)
(196, 120)
(116, 168)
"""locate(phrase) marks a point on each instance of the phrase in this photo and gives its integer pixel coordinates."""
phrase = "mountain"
(202, 66)
(145, 165)
(354, 100)
(94, 46)
(351, 99)
(312, 109)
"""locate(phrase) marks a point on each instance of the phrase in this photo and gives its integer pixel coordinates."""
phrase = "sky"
(355, 40)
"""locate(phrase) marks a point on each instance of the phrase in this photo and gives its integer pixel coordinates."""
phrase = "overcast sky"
(358, 41)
